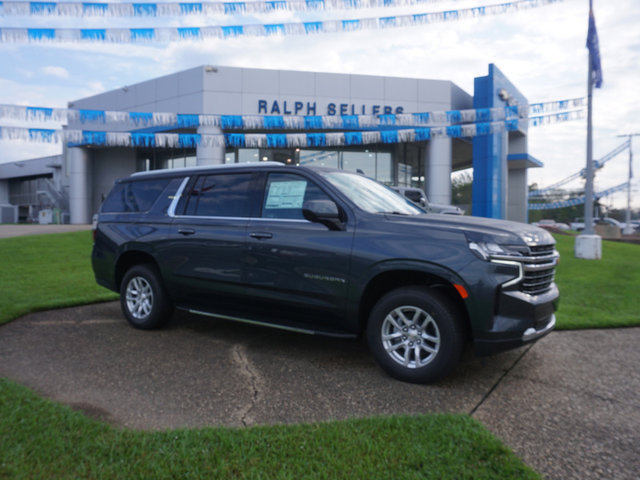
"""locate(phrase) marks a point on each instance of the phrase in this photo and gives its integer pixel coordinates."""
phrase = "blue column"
(490, 175)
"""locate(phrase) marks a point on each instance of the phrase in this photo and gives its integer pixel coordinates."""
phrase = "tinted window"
(414, 196)
(225, 195)
(134, 196)
(286, 194)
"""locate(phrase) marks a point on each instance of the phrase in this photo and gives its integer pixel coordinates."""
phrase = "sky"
(541, 50)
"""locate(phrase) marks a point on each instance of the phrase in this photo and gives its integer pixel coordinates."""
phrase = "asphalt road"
(569, 405)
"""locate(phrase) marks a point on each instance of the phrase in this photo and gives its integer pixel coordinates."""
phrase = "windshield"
(370, 195)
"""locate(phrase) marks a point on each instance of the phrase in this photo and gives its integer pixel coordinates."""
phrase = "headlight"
(486, 250)
(489, 246)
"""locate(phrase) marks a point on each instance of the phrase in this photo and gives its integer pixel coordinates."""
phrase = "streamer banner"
(253, 140)
(597, 164)
(261, 140)
(557, 105)
(578, 200)
(546, 119)
(173, 34)
(130, 120)
(176, 9)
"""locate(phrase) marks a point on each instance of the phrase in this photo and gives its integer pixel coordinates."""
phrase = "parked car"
(634, 224)
(328, 252)
(578, 224)
(417, 196)
(551, 225)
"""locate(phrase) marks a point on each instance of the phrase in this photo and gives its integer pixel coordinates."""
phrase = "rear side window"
(222, 195)
(134, 196)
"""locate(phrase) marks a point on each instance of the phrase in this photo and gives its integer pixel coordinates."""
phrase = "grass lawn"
(42, 439)
(598, 293)
(42, 272)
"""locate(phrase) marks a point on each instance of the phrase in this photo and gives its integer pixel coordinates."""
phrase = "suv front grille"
(538, 268)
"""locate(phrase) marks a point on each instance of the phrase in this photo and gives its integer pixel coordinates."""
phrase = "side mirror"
(325, 212)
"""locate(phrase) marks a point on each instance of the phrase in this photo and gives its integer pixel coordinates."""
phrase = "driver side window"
(286, 194)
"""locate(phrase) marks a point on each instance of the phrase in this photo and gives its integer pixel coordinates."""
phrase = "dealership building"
(71, 187)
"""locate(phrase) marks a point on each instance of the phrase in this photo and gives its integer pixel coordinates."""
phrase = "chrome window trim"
(290, 220)
(176, 198)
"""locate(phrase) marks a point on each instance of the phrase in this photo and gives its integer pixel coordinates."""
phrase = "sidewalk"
(17, 230)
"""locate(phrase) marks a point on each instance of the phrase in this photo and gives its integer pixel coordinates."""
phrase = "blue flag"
(594, 50)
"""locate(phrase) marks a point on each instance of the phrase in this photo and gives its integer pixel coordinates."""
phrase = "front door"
(297, 272)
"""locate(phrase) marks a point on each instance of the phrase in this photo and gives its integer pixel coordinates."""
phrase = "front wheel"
(415, 334)
(143, 299)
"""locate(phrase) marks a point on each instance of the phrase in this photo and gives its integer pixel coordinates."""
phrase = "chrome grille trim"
(537, 270)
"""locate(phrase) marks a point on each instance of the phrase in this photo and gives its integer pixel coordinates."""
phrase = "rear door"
(208, 237)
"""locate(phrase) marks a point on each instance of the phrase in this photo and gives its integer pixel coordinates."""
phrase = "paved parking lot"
(569, 405)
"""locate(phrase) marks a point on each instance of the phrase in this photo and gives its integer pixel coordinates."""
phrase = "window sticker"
(286, 194)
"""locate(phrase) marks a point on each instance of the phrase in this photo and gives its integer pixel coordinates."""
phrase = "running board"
(272, 325)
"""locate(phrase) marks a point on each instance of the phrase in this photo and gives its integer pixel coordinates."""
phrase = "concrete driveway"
(569, 405)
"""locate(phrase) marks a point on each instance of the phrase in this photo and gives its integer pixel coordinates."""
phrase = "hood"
(504, 232)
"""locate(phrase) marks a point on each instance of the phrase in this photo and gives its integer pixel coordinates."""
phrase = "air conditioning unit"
(8, 214)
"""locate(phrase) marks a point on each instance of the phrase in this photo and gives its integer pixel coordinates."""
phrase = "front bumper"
(519, 319)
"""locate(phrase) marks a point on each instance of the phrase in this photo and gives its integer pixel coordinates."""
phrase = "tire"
(415, 335)
(143, 298)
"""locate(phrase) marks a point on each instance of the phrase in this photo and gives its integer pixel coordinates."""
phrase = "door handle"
(261, 235)
(186, 231)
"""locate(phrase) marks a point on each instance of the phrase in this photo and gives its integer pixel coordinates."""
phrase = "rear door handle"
(261, 235)
(186, 231)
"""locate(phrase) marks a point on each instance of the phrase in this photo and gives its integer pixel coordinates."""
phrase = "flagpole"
(588, 188)
(588, 245)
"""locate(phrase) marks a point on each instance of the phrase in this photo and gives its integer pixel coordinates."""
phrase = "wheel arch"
(387, 281)
(129, 259)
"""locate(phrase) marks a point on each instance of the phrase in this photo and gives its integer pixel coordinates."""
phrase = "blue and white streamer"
(254, 140)
(173, 34)
(258, 140)
(176, 9)
(578, 200)
(557, 105)
(130, 120)
(550, 118)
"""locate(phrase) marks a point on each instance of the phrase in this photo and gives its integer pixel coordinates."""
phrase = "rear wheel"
(143, 299)
(415, 335)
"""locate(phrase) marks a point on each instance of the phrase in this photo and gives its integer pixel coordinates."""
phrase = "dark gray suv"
(328, 252)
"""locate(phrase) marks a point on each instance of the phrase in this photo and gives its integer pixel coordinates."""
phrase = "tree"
(461, 190)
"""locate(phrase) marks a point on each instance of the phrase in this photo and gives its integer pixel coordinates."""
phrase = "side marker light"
(461, 290)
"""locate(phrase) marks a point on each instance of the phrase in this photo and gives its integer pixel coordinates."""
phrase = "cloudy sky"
(542, 50)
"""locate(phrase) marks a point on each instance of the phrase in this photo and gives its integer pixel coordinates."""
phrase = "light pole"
(628, 230)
